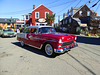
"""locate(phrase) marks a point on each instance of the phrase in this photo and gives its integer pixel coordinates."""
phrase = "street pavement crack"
(90, 56)
(69, 65)
(82, 64)
(4, 54)
(89, 51)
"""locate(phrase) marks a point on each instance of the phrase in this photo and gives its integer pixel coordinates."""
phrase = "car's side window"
(33, 30)
(40, 31)
(26, 30)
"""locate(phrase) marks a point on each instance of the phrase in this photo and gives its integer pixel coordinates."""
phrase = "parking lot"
(17, 60)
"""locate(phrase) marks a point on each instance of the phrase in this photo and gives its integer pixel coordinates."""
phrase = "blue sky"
(16, 8)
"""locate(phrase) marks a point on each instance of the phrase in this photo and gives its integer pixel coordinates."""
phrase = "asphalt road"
(82, 60)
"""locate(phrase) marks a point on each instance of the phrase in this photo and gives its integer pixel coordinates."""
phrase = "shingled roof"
(8, 20)
(75, 8)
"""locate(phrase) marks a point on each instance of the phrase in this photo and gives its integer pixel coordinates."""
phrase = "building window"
(63, 22)
(88, 13)
(26, 30)
(31, 16)
(36, 15)
(69, 20)
(80, 13)
(26, 17)
(33, 30)
(66, 21)
(46, 14)
(8, 23)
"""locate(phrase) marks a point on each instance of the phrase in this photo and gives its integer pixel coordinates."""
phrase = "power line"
(30, 8)
(78, 3)
(69, 5)
(97, 7)
(95, 4)
(17, 12)
(66, 7)
(53, 2)
(61, 4)
(90, 1)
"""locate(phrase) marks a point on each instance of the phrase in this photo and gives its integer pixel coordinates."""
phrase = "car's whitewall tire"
(49, 50)
(22, 43)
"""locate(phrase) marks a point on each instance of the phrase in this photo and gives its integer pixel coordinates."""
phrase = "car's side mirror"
(40, 33)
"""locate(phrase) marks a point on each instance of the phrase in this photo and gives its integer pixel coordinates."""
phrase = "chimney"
(64, 15)
(33, 7)
(95, 14)
(11, 19)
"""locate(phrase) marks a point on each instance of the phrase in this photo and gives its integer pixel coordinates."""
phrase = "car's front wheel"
(49, 50)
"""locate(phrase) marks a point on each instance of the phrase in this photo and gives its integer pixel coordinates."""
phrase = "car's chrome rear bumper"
(9, 35)
(65, 49)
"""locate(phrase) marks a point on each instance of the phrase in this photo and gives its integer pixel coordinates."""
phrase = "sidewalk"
(88, 36)
(81, 35)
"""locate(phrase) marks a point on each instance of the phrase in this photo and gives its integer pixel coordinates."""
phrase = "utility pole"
(58, 20)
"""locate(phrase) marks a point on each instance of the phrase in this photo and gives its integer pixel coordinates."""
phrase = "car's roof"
(37, 26)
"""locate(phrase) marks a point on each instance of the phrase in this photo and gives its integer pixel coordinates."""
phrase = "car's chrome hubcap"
(48, 49)
(22, 44)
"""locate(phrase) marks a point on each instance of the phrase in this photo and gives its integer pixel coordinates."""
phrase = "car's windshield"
(47, 30)
(5, 30)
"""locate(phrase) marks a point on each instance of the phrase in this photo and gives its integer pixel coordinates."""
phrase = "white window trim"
(88, 13)
(80, 13)
(35, 15)
(45, 14)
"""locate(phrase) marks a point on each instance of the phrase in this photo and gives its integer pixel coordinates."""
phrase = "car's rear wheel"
(2, 36)
(15, 36)
(22, 43)
(49, 50)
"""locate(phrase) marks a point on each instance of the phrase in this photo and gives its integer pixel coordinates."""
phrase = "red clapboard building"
(38, 16)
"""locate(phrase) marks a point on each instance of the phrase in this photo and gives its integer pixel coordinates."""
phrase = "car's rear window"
(47, 30)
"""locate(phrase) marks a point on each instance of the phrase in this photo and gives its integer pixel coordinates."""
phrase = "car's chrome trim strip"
(35, 46)
(45, 39)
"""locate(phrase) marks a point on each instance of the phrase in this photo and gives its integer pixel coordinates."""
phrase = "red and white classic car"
(46, 37)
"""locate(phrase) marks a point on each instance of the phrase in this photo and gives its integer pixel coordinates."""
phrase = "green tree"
(50, 18)
(0, 27)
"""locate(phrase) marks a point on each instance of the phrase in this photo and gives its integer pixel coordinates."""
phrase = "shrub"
(97, 34)
(0, 27)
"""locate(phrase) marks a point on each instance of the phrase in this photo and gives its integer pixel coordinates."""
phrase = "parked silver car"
(7, 32)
